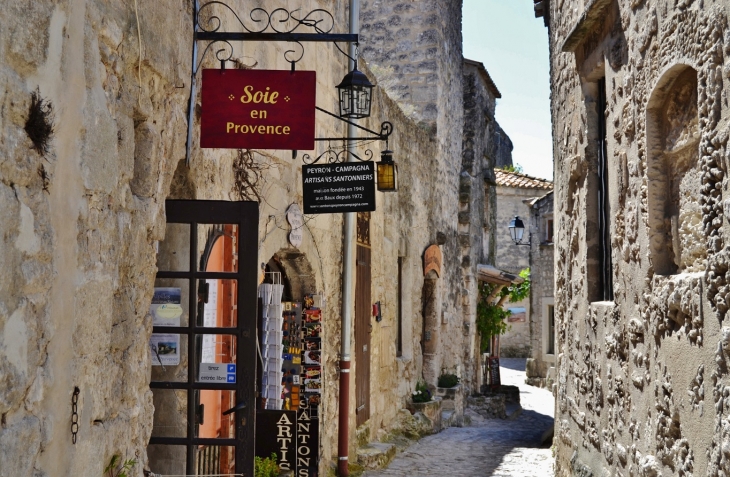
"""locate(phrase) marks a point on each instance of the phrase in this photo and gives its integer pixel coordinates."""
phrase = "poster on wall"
(257, 109)
(165, 349)
(210, 320)
(166, 308)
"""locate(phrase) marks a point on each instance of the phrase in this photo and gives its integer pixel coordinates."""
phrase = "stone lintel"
(592, 17)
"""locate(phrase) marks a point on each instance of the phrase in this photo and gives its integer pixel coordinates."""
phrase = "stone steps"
(448, 418)
(375, 455)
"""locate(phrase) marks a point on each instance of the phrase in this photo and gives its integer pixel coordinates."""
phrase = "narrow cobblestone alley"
(486, 447)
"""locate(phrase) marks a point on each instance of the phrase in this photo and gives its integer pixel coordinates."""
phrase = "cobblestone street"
(486, 447)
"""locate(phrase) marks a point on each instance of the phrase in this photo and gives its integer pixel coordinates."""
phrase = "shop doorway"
(363, 324)
(203, 346)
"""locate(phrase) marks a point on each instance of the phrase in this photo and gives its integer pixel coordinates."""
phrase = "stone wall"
(513, 258)
(81, 224)
(643, 379)
(477, 198)
(414, 51)
(542, 277)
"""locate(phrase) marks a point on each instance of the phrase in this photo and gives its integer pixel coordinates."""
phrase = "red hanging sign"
(258, 109)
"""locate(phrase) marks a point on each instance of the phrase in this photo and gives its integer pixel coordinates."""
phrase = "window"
(599, 267)
(549, 230)
(604, 212)
(550, 330)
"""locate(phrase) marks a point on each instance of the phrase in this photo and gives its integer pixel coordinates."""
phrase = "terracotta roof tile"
(523, 181)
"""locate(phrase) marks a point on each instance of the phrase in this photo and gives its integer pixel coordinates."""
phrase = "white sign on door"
(217, 373)
(210, 320)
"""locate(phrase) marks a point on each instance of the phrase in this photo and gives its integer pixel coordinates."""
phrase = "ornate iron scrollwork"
(279, 21)
(333, 155)
(320, 20)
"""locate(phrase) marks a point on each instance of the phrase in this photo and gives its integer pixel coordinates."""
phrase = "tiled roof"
(523, 181)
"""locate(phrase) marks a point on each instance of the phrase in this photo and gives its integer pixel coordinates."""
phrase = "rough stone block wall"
(414, 50)
(514, 258)
(642, 380)
(542, 277)
(477, 198)
(79, 226)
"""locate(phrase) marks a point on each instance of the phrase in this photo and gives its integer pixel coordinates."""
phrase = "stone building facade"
(82, 198)
(515, 193)
(540, 366)
(640, 131)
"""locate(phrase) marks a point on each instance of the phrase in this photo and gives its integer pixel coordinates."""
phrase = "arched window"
(675, 217)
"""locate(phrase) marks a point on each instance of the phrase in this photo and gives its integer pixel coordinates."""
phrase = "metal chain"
(74, 414)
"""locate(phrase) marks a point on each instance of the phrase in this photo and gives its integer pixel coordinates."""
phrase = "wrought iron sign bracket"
(281, 24)
(386, 129)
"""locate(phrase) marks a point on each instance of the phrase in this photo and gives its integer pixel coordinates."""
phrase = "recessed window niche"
(676, 239)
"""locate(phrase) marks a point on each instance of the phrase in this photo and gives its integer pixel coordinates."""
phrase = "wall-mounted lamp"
(517, 231)
(355, 93)
(387, 172)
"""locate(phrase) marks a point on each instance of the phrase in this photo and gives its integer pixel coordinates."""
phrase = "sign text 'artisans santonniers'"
(261, 109)
(342, 187)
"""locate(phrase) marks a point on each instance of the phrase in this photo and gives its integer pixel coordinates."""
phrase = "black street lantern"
(355, 95)
(517, 230)
(387, 172)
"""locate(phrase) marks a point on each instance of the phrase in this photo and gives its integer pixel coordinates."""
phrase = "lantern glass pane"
(345, 102)
(386, 177)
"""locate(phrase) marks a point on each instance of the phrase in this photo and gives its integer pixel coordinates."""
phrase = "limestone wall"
(643, 379)
(414, 51)
(513, 258)
(80, 256)
(542, 278)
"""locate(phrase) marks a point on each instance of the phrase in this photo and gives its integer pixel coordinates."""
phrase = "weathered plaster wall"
(78, 258)
(642, 380)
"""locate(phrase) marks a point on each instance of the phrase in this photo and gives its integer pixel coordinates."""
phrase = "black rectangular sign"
(293, 436)
(340, 187)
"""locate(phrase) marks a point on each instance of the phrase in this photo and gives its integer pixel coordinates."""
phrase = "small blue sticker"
(231, 368)
(231, 378)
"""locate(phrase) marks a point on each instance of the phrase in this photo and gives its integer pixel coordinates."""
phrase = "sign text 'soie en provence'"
(341, 187)
(262, 109)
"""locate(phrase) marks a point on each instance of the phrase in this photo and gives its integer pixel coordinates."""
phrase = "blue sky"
(513, 45)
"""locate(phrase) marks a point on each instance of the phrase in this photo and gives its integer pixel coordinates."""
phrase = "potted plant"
(448, 380)
(421, 394)
(422, 401)
(266, 467)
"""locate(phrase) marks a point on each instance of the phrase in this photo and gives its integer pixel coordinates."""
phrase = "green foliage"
(490, 318)
(519, 292)
(513, 168)
(421, 394)
(448, 380)
(111, 469)
(266, 467)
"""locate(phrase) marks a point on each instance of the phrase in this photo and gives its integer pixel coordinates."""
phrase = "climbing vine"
(491, 316)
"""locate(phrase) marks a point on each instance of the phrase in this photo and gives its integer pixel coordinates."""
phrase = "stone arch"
(296, 273)
(676, 237)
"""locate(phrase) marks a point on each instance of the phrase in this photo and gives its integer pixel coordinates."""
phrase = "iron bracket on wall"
(277, 25)
(334, 154)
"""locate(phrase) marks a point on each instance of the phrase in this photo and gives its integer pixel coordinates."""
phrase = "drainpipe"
(347, 285)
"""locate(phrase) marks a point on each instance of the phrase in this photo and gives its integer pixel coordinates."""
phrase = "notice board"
(340, 187)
